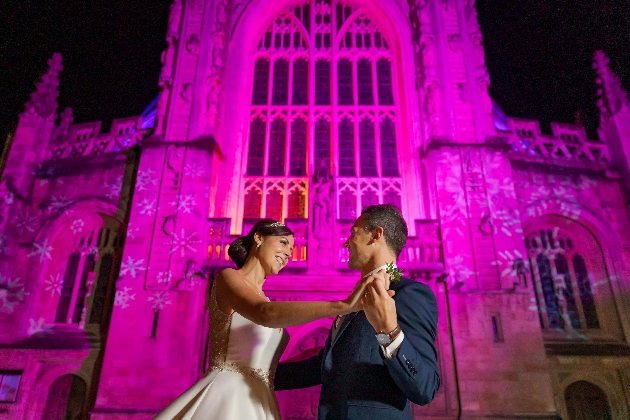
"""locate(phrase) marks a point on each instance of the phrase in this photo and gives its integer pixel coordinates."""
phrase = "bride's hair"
(240, 248)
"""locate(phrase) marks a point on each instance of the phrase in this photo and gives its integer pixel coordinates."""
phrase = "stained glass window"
(389, 158)
(364, 79)
(297, 204)
(322, 143)
(298, 147)
(384, 73)
(253, 204)
(277, 144)
(274, 205)
(280, 81)
(348, 205)
(261, 82)
(344, 82)
(322, 82)
(367, 148)
(298, 65)
(300, 81)
(586, 294)
(256, 155)
(346, 147)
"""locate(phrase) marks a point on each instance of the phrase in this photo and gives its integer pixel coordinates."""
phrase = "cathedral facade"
(305, 112)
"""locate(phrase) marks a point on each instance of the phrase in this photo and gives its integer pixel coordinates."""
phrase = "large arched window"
(322, 97)
(571, 281)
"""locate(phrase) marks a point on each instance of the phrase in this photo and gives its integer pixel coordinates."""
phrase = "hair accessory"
(275, 224)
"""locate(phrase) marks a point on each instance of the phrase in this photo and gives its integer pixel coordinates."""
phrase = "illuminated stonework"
(306, 112)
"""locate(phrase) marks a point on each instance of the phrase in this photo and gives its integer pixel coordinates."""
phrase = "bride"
(246, 332)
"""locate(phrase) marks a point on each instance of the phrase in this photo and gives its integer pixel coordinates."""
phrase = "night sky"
(538, 53)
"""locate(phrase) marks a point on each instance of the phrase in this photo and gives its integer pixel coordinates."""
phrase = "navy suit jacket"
(357, 381)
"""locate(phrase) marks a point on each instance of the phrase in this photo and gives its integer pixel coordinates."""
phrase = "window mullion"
(542, 305)
(577, 296)
(75, 288)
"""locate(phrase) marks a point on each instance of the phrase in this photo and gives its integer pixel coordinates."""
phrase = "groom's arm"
(414, 366)
(302, 374)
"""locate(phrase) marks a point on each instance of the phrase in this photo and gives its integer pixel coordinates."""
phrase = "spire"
(611, 96)
(44, 99)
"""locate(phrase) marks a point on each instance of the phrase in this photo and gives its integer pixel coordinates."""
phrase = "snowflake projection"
(42, 251)
(194, 170)
(112, 189)
(9, 198)
(458, 272)
(571, 211)
(53, 284)
(132, 231)
(24, 222)
(508, 221)
(4, 242)
(146, 180)
(159, 300)
(164, 277)
(512, 264)
(186, 203)
(132, 267)
(147, 207)
(38, 327)
(123, 297)
(12, 293)
(586, 182)
(77, 226)
(183, 242)
(57, 204)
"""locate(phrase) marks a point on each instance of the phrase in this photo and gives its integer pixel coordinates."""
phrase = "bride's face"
(274, 252)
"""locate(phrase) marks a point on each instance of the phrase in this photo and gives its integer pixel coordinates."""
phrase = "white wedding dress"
(239, 383)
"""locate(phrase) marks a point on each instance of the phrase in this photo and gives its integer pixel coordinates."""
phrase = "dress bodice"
(240, 345)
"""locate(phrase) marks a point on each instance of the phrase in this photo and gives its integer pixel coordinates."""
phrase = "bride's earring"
(257, 246)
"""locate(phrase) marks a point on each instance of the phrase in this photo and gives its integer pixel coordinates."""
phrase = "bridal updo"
(242, 246)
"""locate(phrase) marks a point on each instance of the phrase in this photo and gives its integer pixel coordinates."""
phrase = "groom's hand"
(379, 307)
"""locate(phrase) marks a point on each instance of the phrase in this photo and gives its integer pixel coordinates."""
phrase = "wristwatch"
(386, 338)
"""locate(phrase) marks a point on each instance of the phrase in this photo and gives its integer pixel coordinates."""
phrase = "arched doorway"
(586, 401)
(66, 398)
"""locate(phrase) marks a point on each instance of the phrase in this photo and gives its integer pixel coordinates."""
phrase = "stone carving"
(61, 131)
(484, 85)
(428, 55)
(193, 44)
(322, 215)
(463, 92)
(217, 51)
(455, 42)
(612, 97)
(44, 99)
(167, 61)
(174, 19)
(221, 14)
(433, 100)
(214, 84)
(161, 106)
(187, 92)
(563, 308)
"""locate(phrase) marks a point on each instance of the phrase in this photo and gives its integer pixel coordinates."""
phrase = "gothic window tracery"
(326, 63)
(563, 289)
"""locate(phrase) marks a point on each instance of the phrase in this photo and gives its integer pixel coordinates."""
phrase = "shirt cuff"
(392, 348)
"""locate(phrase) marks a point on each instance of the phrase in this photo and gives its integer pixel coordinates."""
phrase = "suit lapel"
(344, 324)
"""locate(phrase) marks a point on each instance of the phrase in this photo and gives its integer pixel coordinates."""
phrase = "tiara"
(275, 224)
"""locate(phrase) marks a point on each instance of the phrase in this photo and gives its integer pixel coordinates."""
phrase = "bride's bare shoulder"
(228, 274)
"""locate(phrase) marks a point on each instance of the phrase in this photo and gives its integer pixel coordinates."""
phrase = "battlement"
(86, 139)
(567, 145)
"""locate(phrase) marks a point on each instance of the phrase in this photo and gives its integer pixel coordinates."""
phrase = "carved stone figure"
(213, 98)
(174, 19)
(464, 93)
(432, 92)
(167, 62)
(221, 15)
(217, 50)
(193, 44)
(322, 201)
(187, 92)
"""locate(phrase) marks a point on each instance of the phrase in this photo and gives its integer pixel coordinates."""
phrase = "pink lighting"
(306, 112)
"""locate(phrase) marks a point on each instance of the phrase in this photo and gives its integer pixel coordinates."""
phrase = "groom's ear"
(377, 234)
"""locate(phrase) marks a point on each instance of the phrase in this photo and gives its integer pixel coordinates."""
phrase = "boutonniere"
(394, 272)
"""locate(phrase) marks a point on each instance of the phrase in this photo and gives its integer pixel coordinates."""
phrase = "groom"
(377, 360)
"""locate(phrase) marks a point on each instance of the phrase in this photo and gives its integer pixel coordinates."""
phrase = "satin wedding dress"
(239, 383)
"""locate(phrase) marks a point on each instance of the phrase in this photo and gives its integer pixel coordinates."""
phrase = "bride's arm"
(234, 292)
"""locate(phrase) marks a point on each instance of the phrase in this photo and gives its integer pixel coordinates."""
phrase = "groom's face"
(358, 245)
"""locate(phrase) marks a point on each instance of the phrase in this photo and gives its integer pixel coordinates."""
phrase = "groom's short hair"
(391, 220)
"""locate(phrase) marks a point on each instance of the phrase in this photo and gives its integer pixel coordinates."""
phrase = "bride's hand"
(354, 299)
